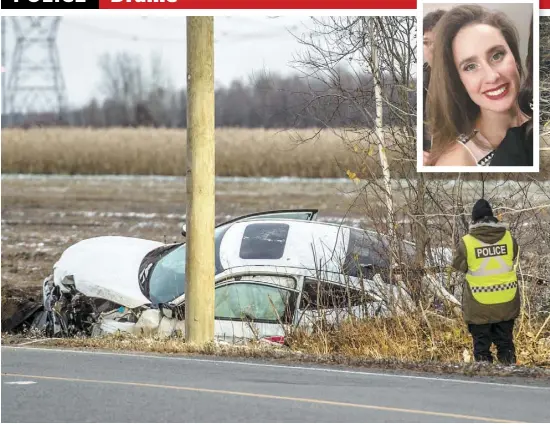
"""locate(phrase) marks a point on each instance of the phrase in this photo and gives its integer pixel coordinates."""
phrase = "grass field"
(239, 152)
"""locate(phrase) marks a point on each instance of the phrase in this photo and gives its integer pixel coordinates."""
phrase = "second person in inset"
(474, 88)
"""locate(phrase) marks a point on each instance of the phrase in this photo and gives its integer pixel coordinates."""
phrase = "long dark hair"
(526, 93)
(451, 111)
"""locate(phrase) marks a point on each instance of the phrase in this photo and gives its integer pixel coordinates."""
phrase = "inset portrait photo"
(480, 87)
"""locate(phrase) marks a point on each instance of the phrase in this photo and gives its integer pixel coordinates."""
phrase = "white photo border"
(536, 93)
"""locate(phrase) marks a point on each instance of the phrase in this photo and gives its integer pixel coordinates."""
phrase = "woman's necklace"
(486, 143)
(483, 141)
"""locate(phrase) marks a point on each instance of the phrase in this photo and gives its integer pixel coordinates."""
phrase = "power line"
(118, 34)
(233, 37)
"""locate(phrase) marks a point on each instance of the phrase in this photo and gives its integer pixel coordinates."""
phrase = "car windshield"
(167, 280)
(168, 277)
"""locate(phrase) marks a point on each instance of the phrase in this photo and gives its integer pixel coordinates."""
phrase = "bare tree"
(122, 77)
(544, 34)
(377, 56)
(137, 96)
(379, 122)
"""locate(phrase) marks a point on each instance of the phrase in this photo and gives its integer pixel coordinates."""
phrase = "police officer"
(490, 298)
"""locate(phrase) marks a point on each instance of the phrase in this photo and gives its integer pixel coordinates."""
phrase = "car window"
(167, 280)
(325, 295)
(264, 241)
(366, 253)
(253, 301)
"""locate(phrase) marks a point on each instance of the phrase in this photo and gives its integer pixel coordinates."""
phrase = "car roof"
(371, 232)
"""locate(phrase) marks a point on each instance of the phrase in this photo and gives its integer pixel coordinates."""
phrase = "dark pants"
(501, 334)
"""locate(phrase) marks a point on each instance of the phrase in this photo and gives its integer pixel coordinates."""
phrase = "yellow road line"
(263, 396)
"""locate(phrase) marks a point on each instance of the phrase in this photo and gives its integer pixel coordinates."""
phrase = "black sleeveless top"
(517, 147)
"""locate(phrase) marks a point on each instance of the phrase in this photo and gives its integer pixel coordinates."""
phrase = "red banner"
(257, 4)
(220, 4)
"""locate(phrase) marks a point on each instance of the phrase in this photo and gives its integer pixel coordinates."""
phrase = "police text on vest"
(490, 251)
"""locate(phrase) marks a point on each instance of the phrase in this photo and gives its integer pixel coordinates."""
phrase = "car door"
(251, 308)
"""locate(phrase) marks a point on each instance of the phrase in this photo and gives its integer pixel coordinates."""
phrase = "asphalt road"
(44, 385)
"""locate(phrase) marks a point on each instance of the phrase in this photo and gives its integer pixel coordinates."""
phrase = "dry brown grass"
(421, 342)
(239, 152)
(425, 334)
(421, 338)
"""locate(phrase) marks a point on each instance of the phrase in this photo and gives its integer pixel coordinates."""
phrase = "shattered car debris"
(274, 270)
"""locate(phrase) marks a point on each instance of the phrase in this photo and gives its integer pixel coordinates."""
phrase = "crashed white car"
(273, 270)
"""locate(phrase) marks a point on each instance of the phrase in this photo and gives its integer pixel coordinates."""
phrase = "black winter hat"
(482, 209)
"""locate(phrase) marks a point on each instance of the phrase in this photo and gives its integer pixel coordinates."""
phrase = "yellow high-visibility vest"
(491, 274)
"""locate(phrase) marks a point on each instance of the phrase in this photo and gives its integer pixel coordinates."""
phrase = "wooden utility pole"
(200, 181)
(4, 70)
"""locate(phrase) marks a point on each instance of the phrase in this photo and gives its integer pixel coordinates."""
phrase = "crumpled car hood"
(106, 267)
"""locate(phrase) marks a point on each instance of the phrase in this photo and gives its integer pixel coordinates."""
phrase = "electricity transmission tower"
(36, 81)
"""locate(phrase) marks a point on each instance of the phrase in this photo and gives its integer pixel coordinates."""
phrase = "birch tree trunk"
(379, 128)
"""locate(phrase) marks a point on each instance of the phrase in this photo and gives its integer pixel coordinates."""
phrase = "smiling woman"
(475, 84)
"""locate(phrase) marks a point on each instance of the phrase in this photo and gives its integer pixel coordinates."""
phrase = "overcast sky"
(242, 45)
